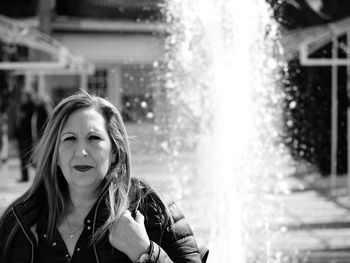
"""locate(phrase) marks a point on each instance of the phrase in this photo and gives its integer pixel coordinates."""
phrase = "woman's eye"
(93, 137)
(70, 138)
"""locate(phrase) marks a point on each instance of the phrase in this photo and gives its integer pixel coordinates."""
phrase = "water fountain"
(221, 80)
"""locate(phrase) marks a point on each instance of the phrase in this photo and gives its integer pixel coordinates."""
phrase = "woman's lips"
(82, 168)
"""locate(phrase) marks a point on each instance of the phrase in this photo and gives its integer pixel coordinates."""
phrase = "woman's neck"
(82, 201)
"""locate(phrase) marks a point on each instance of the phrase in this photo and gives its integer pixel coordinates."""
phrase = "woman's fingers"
(129, 235)
(139, 218)
(127, 214)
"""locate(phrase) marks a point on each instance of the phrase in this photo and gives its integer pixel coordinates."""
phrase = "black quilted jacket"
(172, 242)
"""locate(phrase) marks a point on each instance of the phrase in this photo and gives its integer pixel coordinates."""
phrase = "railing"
(12, 32)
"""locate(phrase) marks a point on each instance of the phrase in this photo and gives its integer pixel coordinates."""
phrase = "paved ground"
(315, 226)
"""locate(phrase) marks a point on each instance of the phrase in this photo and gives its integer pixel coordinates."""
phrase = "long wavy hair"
(50, 178)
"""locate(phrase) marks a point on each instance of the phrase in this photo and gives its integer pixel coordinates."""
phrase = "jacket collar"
(29, 210)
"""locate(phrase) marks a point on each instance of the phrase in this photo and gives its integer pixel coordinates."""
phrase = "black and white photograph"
(174, 131)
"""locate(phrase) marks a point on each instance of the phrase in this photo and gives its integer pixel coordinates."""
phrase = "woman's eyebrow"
(96, 131)
(67, 133)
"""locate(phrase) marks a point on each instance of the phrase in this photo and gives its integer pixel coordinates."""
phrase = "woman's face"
(85, 149)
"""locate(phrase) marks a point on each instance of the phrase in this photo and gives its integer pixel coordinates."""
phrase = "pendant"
(72, 235)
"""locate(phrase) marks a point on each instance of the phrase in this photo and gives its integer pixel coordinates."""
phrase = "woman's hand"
(129, 235)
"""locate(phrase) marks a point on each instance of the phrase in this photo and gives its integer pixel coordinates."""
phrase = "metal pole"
(45, 7)
(348, 108)
(334, 109)
(83, 81)
(348, 138)
(41, 83)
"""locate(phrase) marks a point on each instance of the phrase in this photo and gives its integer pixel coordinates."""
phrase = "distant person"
(42, 108)
(4, 147)
(24, 133)
(83, 205)
(1, 134)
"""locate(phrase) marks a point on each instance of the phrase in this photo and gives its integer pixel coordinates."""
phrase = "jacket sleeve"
(178, 244)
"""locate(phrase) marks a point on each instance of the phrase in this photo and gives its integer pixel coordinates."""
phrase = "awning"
(304, 42)
(58, 59)
(148, 10)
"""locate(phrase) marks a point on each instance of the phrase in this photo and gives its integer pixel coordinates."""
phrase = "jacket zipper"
(25, 233)
(94, 227)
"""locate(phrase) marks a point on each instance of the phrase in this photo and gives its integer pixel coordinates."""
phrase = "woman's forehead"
(90, 118)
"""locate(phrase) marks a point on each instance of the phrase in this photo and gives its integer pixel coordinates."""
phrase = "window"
(137, 93)
(97, 83)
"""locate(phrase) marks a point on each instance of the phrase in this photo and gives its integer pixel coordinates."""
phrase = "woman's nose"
(81, 151)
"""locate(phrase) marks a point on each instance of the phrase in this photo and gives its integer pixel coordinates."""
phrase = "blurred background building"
(122, 47)
(122, 41)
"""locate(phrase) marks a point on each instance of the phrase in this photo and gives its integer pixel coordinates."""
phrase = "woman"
(83, 206)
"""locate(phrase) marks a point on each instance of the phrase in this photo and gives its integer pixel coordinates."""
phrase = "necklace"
(73, 231)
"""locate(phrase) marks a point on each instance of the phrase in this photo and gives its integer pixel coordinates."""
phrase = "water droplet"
(155, 64)
(150, 115)
(144, 104)
(283, 229)
(292, 104)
